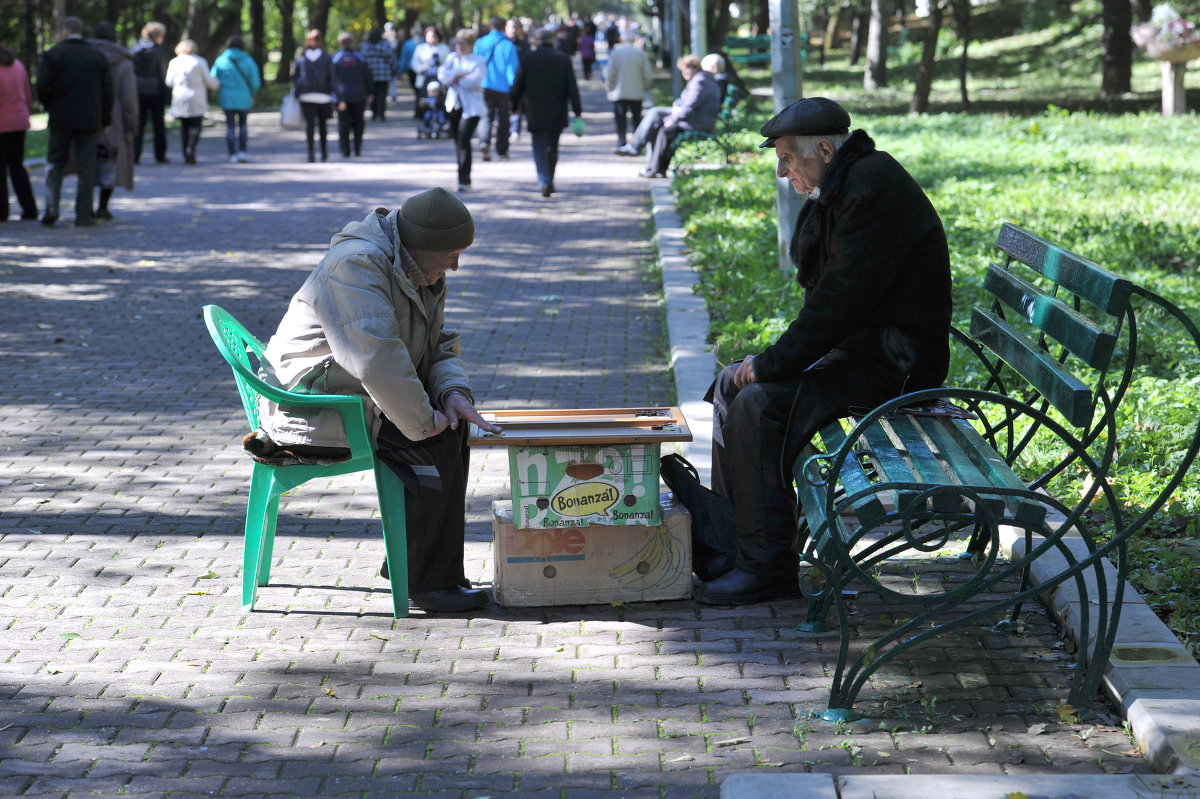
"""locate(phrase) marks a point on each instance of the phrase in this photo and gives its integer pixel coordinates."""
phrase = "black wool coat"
(544, 85)
(74, 86)
(872, 255)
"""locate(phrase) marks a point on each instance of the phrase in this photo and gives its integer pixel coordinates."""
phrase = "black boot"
(102, 212)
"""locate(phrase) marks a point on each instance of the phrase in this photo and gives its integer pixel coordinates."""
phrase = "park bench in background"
(749, 51)
(915, 475)
(694, 145)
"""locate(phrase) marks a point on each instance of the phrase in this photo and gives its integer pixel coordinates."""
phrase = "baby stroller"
(433, 114)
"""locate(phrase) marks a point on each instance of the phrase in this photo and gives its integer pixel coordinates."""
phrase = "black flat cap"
(812, 116)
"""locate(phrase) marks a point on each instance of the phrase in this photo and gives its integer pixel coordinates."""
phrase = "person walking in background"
(462, 77)
(239, 78)
(352, 87)
(515, 32)
(544, 86)
(587, 49)
(114, 153)
(392, 40)
(627, 81)
(502, 61)
(313, 77)
(404, 65)
(150, 69)
(428, 57)
(16, 104)
(189, 81)
(74, 87)
(381, 58)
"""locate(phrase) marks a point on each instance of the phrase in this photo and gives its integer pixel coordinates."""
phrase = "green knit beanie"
(435, 220)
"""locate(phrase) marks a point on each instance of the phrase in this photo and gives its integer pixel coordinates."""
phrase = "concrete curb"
(1152, 678)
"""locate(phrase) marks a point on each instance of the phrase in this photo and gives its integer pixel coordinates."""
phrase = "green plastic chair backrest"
(237, 345)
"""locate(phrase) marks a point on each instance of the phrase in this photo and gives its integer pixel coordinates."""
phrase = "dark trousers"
(497, 120)
(462, 130)
(350, 124)
(12, 163)
(760, 428)
(236, 138)
(627, 114)
(57, 152)
(660, 154)
(379, 101)
(155, 108)
(435, 517)
(189, 133)
(545, 154)
(316, 121)
(648, 128)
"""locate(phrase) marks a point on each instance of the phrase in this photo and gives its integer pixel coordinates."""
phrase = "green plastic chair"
(268, 483)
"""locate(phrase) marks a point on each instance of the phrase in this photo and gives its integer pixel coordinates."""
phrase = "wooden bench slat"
(996, 470)
(1065, 391)
(1064, 324)
(853, 477)
(922, 459)
(891, 462)
(965, 470)
(1097, 285)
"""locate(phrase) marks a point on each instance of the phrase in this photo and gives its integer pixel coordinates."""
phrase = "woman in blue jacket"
(239, 82)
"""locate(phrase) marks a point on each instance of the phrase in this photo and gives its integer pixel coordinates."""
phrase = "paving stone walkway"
(126, 663)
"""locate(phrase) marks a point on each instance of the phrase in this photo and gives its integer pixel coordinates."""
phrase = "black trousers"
(316, 121)
(660, 154)
(628, 114)
(155, 108)
(436, 515)
(462, 130)
(350, 125)
(759, 429)
(61, 141)
(379, 101)
(12, 164)
(497, 120)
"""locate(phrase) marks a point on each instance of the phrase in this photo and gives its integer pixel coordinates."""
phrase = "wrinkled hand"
(745, 372)
(459, 408)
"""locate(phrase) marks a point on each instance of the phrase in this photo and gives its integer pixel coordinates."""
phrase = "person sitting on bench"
(871, 253)
(697, 108)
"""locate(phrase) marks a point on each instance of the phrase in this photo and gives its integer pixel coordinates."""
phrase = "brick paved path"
(126, 663)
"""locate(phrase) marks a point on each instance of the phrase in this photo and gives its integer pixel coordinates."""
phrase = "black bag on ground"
(714, 537)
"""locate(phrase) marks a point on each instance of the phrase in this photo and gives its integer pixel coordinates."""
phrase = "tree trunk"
(1141, 10)
(456, 18)
(31, 51)
(258, 36)
(962, 21)
(762, 16)
(875, 75)
(717, 24)
(829, 40)
(1117, 62)
(925, 70)
(287, 45)
(381, 16)
(858, 31)
(318, 15)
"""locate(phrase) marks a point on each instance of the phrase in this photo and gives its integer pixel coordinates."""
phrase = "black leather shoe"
(450, 600)
(49, 219)
(737, 587)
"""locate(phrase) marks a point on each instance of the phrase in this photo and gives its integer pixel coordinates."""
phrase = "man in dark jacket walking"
(871, 253)
(150, 68)
(75, 88)
(543, 87)
(353, 87)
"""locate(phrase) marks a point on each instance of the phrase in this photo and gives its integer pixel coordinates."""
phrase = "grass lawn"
(1114, 181)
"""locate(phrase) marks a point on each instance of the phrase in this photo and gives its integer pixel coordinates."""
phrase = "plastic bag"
(577, 126)
(290, 116)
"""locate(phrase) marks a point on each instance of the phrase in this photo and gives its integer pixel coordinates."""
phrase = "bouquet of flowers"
(1167, 36)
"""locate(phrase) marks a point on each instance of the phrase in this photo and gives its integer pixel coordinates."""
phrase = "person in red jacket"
(16, 103)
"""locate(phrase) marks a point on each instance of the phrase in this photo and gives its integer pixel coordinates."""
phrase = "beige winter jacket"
(358, 325)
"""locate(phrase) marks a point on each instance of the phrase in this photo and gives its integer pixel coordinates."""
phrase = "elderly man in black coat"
(871, 253)
(544, 85)
(75, 88)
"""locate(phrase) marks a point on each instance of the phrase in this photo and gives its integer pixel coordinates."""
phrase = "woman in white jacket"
(427, 57)
(189, 82)
(462, 75)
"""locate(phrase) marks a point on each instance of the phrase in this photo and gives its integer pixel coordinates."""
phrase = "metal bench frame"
(888, 481)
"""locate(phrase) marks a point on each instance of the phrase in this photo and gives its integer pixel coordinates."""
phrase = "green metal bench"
(1060, 346)
(698, 143)
(752, 51)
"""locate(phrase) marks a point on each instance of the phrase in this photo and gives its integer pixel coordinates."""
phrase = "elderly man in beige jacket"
(369, 321)
(627, 78)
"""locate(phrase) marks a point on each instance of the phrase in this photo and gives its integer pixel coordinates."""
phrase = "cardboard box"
(593, 564)
(575, 486)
